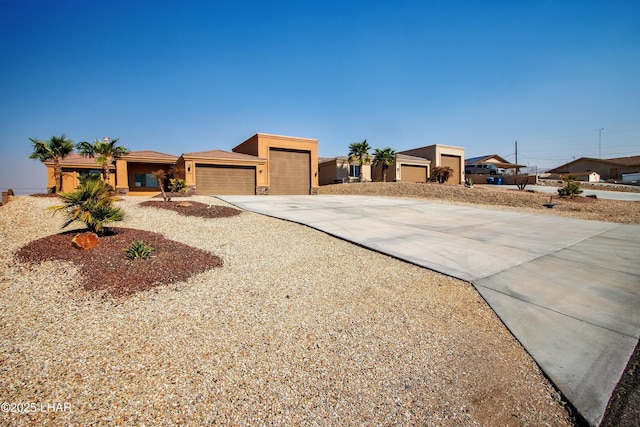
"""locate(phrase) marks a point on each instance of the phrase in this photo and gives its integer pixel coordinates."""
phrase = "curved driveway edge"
(568, 289)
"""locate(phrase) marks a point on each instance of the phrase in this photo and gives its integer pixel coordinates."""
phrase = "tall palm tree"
(359, 153)
(55, 149)
(107, 152)
(385, 157)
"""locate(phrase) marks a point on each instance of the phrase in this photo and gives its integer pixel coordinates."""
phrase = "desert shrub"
(92, 204)
(138, 250)
(521, 182)
(570, 188)
(442, 173)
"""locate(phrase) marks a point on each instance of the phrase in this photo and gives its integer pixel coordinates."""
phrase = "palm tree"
(55, 149)
(106, 151)
(92, 204)
(385, 157)
(442, 173)
(359, 153)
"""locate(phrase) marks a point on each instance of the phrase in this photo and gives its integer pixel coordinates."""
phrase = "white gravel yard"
(297, 328)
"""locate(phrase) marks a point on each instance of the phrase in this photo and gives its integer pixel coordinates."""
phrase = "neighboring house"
(608, 169)
(405, 168)
(263, 164)
(492, 159)
(410, 166)
(442, 155)
(340, 170)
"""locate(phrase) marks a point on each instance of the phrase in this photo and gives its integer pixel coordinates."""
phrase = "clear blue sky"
(181, 76)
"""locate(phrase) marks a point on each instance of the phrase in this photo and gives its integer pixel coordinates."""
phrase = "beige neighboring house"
(608, 169)
(442, 155)
(338, 170)
(413, 165)
(405, 168)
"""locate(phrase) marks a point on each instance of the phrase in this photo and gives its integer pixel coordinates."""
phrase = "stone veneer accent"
(315, 191)
(262, 190)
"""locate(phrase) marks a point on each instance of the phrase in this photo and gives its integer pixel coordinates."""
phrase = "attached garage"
(413, 173)
(454, 163)
(291, 163)
(218, 172)
(289, 171)
(225, 179)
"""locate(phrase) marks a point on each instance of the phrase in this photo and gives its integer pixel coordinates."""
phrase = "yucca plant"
(139, 250)
(92, 204)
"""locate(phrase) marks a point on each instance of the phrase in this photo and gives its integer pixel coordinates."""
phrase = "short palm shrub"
(570, 188)
(442, 173)
(139, 250)
(92, 204)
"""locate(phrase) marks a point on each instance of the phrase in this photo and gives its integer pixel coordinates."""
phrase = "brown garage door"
(289, 171)
(216, 179)
(413, 173)
(454, 163)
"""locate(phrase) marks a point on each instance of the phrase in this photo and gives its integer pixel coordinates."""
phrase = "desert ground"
(293, 328)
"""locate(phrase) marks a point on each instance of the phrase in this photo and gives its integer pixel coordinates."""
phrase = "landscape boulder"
(85, 240)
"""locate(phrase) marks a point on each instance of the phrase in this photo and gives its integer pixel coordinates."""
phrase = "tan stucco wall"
(329, 171)
(392, 172)
(70, 176)
(259, 145)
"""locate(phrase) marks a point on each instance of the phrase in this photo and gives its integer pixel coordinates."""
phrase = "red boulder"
(85, 240)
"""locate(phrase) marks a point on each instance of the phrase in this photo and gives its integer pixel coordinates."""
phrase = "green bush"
(92, 204)
(139, 250)
(570, 188)
(442, 173)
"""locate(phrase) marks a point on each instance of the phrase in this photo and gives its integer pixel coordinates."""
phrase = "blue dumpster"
(490, 180)
(499, 180)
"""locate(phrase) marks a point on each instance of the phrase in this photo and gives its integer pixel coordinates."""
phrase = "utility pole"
(599, 141)
(517, 168)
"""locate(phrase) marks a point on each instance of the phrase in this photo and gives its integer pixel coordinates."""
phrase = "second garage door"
(289, 171)
(454, 163)
(413, 173)
(219, 180)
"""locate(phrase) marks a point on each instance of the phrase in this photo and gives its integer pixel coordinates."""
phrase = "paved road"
(569, 290)
(601, 194)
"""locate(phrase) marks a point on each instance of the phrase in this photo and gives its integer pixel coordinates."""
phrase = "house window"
(145, 180)
(354, 171)
(86, 175)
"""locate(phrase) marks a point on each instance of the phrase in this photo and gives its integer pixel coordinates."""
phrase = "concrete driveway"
(569, 290)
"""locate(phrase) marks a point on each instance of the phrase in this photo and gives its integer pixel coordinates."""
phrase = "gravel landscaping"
(294, 328)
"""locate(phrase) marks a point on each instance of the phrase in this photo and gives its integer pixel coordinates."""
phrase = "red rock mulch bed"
(198, 209)
(106, 267)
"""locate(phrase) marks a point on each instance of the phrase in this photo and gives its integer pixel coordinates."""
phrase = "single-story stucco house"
(263, 164)
(413, 165)
(608, 169)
